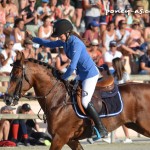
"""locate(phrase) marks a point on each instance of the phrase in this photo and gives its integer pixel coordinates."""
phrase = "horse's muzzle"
(8, 99)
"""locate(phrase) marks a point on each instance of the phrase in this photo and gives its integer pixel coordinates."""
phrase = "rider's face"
(62, 37)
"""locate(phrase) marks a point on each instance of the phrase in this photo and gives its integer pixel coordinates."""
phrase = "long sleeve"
(76, 52)
(48, 43)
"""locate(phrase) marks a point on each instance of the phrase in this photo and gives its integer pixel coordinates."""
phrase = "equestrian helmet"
(61, 27)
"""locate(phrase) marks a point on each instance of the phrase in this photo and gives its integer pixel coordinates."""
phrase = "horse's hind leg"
(75, 145)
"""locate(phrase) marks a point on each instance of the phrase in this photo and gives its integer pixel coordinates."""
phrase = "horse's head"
(17, 77)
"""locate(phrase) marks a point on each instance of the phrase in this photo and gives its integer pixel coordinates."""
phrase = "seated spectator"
(2, 37)
(43, 11)
(147, 34)
(95, 53)
(33, 129)
(29, 16)
(111, 54)
(62, 61)
(7, 59)
(23, 4)
(108, 35)
(18, 34)
(92, 32)
(2, 13)
(119, 16)
(4, 123)
(28, 50)
(136, 41)
(144, 62)
(46, 29)
(45, 55)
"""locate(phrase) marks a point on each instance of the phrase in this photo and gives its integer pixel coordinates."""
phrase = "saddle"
(102, 86)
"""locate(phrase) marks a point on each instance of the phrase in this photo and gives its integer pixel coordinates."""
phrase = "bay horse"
(64, 125)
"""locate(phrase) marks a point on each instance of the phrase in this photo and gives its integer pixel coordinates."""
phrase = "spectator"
(95, 53)
(111, 54)
(92, 32)
(33, 129)
(136, 41)
(28, 50)
(2, 37)
(23, 4)
(147, 34)
(108, 35)
(119, 17)
(62, 61)
(12, 14)
(30, 17)
(56, 13)
(144, 62)
(121, 76)
(4, 123)
(2, 12)
(18, 34)
(7, 59)
(78, 11)
(43, 11)
(44, 55)
(46, 29)
(92, 11)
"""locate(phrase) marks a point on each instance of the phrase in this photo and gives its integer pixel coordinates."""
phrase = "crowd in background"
(107, 35)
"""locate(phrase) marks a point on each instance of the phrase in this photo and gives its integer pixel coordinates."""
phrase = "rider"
(86, 69)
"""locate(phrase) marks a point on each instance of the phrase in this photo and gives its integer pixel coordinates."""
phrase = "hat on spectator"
(103, 67)
(113, 43)
(26, 107)
(8, 108)
(45, 1)
(28, 41)
(94, 42)
(95, 23)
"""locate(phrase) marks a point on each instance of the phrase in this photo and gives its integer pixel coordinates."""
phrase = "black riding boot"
(94, 115)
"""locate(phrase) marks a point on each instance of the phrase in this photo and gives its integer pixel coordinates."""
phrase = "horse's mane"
(56, 73)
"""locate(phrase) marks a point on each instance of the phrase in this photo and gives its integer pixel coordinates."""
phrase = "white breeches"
(88, 88)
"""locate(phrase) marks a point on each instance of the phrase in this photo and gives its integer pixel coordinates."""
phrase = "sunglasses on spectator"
(124, 23)
(136, 24)
(11, 44)
(31, 1)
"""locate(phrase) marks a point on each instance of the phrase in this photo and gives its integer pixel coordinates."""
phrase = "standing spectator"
(46, 29)
(30, 17)
(92, 32)
(11, 15)
(44, 55)
(95, 53)
(18, 34)
(4, 123)
(2, 13)
(56, 13)
(62, 61)
(28, 50)
(23, 4)
(67, 11)
(7, 59)
(43, 11)
(121, 76)
(78, 10)
(111, 54)
(92, 11)
(2, 37)
(144, 62)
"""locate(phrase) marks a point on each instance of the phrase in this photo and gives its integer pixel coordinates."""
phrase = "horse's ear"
(20, 57)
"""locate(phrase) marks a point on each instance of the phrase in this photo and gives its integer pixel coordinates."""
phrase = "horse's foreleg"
(57, 143)
(75, 145)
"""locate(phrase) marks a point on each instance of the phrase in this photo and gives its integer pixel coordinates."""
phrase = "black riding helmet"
(61, 27)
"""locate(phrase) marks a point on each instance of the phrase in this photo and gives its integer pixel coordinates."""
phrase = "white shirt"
(7, 67)
(108, 56)
(124, 79)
